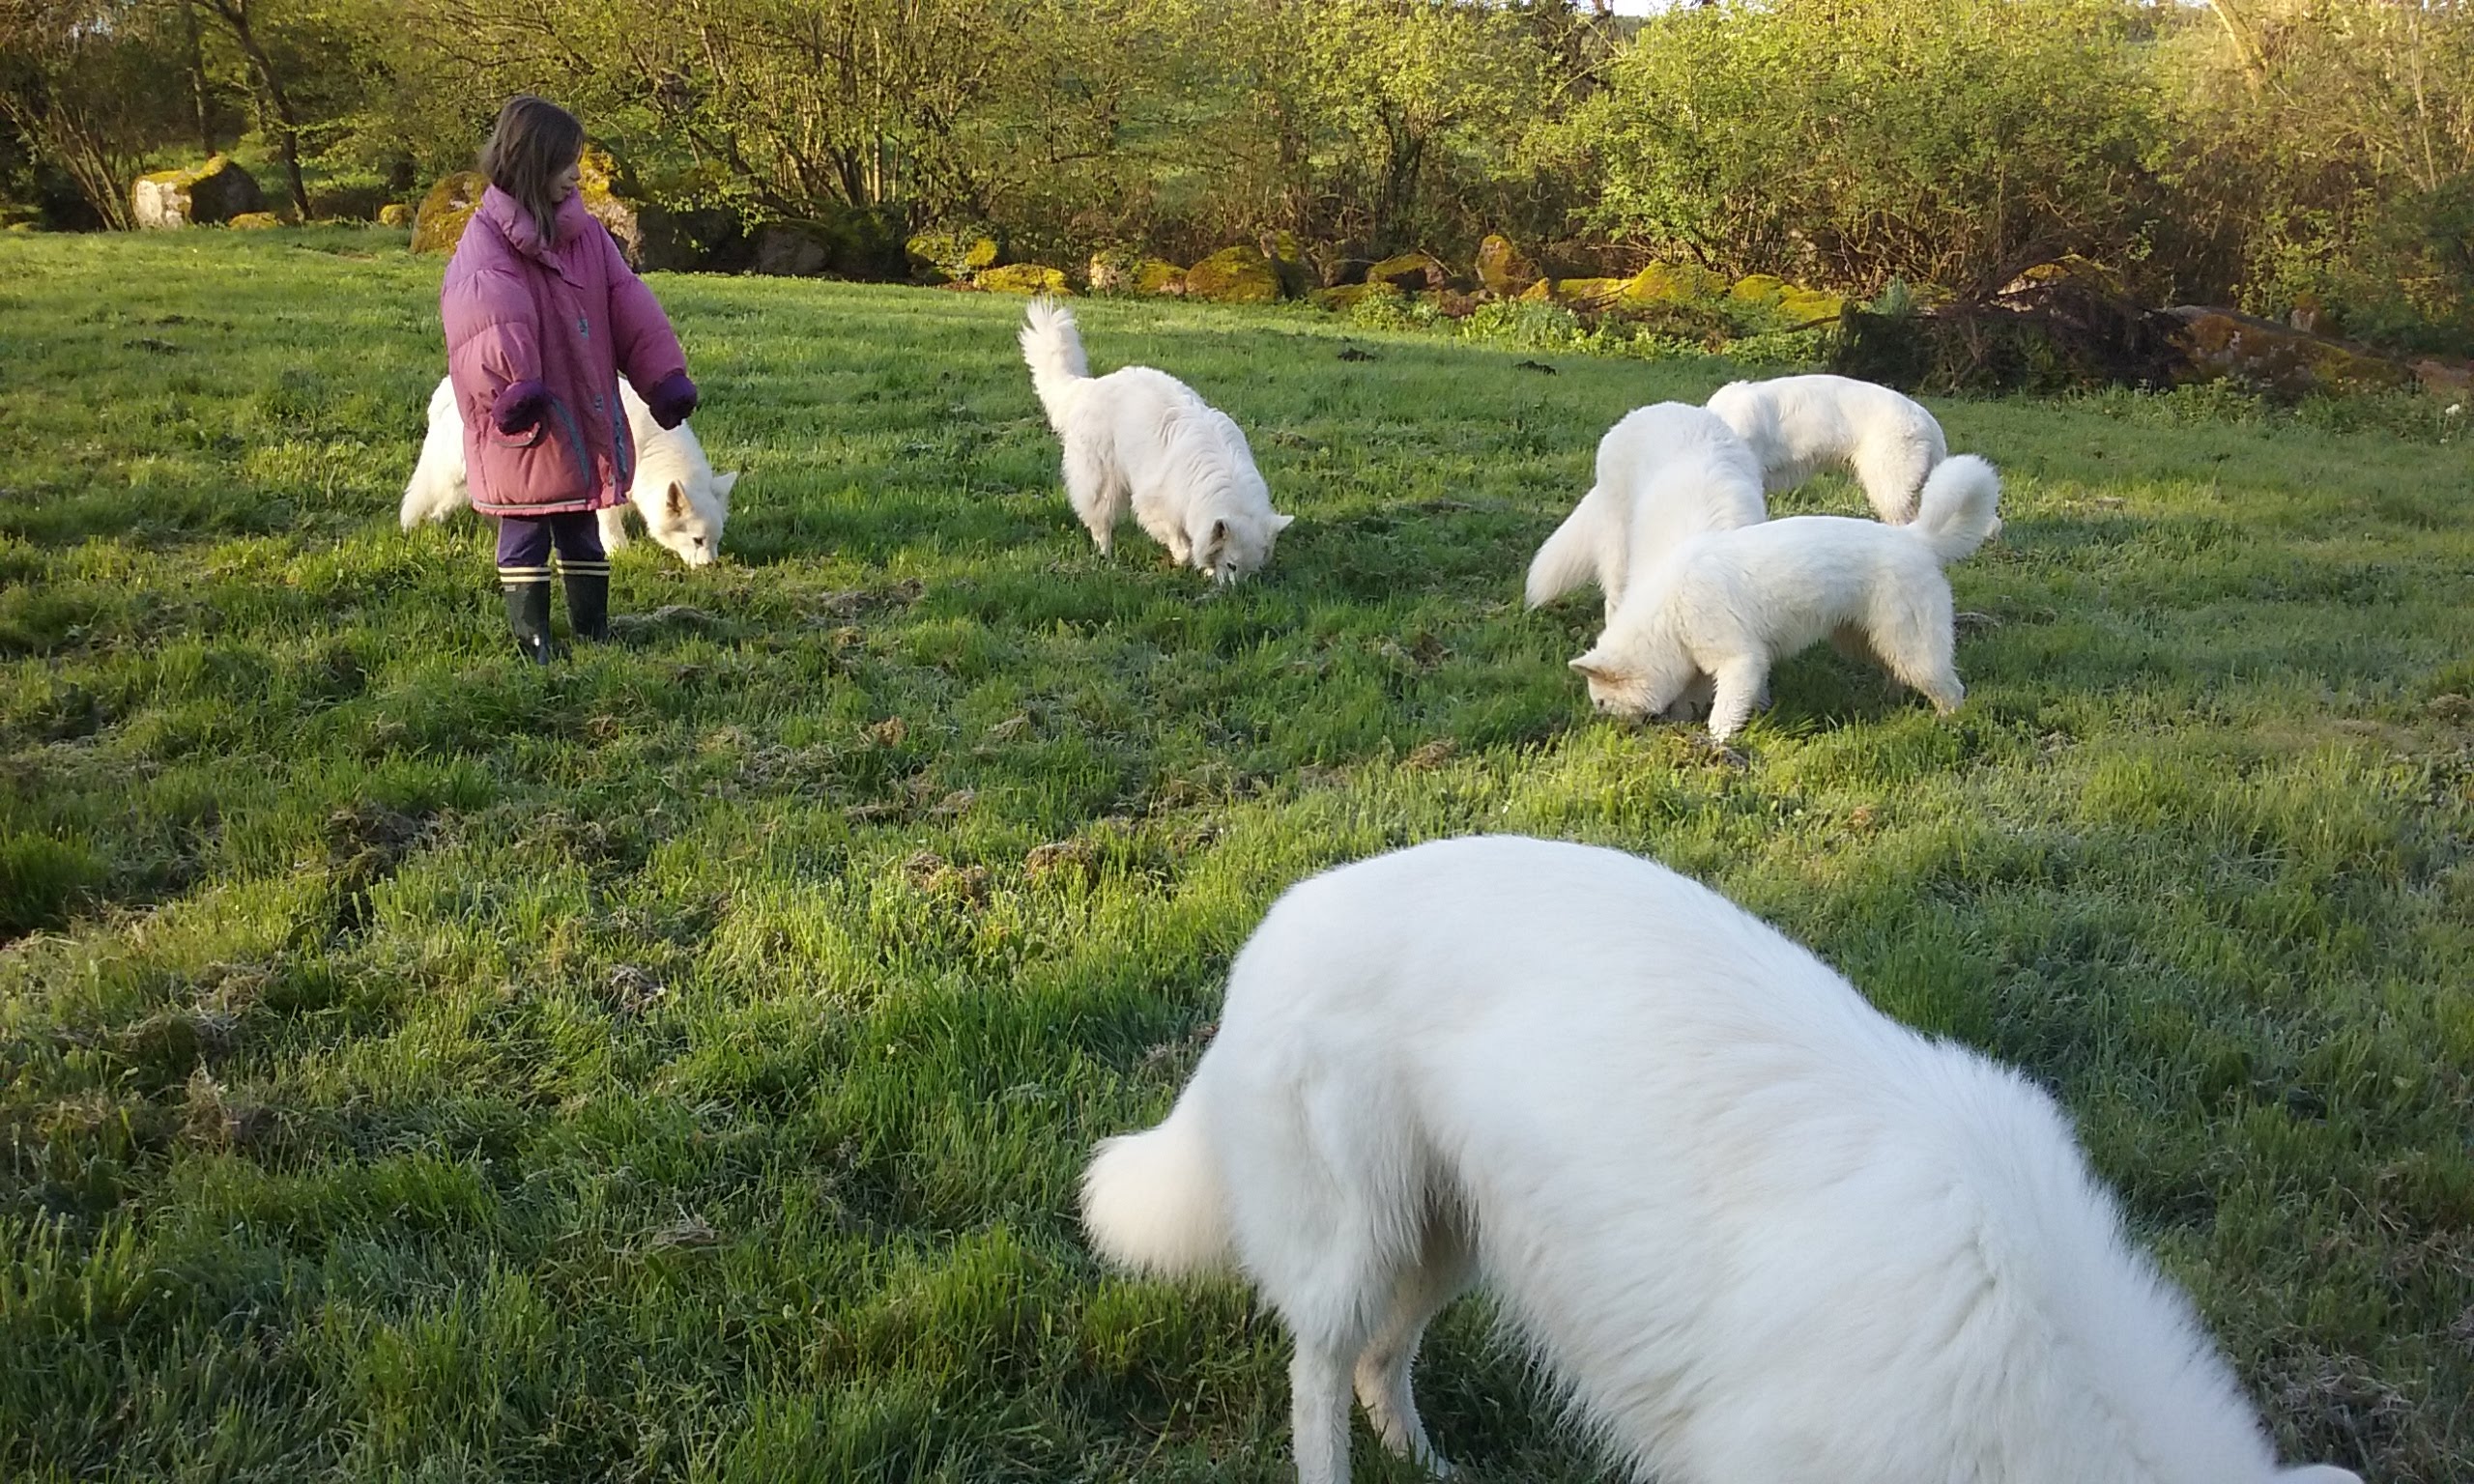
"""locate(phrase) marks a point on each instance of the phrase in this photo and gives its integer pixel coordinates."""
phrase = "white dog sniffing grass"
(1141, 439)
(684, 504)
(1730, 604)
(1799, 425)
(1664, 472)
(1757, 1232)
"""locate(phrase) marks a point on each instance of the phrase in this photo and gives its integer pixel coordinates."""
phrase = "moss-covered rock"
(958, 250)
(1346, 296)
(1112, 270)
(609, 194)
(216, 191)
(1022, 279)
(256, 221)
(1587, 294)
(1504, 268)
(1808, 306)
(439, 225)
(1760, 289)
(1234, 275)
(2279, 358)
(1673, 283)
(394, 214)
(856, 243)
(1289, 262)
(1158, 277)
(603, 183)
(2069, 268)
(1411, 272)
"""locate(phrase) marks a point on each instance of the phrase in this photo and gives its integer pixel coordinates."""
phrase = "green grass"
(677, 1064)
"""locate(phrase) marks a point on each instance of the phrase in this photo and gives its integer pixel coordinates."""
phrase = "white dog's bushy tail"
(1570, 556)
(435, 489)
(1960, 507)
(1153, 1202)
(1052, 346)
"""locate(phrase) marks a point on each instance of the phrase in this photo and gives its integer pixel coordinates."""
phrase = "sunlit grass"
(677, 1064)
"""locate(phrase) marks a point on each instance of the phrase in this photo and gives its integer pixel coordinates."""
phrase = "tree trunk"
(201, 105)
(235, 16)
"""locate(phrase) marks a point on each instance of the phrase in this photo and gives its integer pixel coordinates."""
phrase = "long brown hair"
(534, 140)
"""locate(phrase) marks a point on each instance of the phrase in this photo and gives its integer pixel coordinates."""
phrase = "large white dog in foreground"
(1141, 439)
(1799, 425)
(683, 502)
(1758, 1232)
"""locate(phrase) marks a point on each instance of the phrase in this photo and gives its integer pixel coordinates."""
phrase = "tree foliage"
(2282, 153)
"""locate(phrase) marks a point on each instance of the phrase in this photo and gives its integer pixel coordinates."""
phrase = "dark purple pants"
(525, 542)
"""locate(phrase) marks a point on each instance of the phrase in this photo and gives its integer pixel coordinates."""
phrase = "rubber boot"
(527, 613)
(587, 586)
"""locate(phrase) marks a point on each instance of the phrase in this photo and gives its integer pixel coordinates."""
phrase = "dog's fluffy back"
(1756, 1228)
(1799, 425)
(1665, 472)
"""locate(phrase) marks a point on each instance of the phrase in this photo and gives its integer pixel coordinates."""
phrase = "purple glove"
(671, 400)
(519, 407)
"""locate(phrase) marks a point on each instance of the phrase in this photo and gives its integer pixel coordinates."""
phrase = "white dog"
(1664, 472)
(1799, 425)
(1140, 439)
(1731, 603)
(1759, 1233)
(683, 502)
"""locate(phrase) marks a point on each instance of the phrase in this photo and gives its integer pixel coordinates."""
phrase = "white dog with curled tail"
(1664, 472)
(1799, 425)
(1757, 1232)
(684, 504)
(1731, 603)
(1141, 439)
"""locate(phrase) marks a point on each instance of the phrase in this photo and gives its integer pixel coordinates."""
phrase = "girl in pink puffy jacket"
(542, 317)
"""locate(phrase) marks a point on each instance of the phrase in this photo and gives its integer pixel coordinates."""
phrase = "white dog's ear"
(723, 484)
(1213, 544)
(673, 504)
(1595, 667)
(1281, 523)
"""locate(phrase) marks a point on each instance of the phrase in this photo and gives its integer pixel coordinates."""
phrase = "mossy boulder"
(1022, 279)
(1807, 306)
(1504, 268)
(609, 195)
(2069, 268)
(2279, 358)
(1288, 262)
(850, 243)
(394, 214)
(958, 250)
(1158, 277)
(1411, 272)
(1758, 289)
(439, 225)
(1346, 297)
(603, 183)
(1234, 275)
(1581, 292)
(199, 195)
(256, 221)
(1112, 270)
(1673, 283)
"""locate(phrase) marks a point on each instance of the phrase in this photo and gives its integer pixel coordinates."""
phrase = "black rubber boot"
(527, 613)
(588, 598)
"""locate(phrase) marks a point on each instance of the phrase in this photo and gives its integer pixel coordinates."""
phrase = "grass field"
(677, 1064)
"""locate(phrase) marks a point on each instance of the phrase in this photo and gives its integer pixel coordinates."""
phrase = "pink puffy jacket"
(569, 314)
